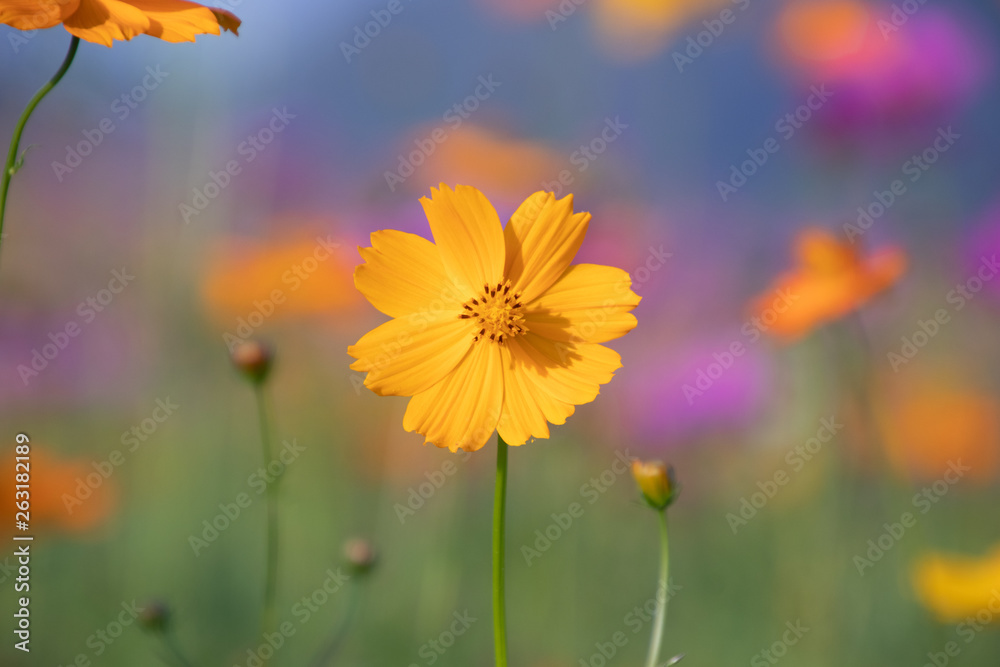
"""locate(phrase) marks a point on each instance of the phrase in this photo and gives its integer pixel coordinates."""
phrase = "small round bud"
(253, 359)
(656, 482)
(360, 555)
(155, 616)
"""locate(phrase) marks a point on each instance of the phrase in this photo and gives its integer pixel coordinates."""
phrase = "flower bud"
(155, 616)
(656, 482)
(360, 555)
(253, 359)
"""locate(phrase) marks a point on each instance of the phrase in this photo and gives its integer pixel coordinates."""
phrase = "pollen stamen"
(498, 313)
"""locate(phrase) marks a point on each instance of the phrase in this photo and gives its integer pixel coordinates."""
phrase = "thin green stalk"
(662, 594)
(269, 616)
(499, 552)
(11, 166)
(170, 641)
(340, 633)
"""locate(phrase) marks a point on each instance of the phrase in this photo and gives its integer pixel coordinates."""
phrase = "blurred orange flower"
(103, 21)
(831, 279)
(955, 588)
(508, 167)
(929, 423)
(493, 328)
(65, 494)
(834, 32)
(256, 280)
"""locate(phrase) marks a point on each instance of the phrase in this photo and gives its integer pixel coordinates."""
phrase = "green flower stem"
(324, 657)
(11, 166)
(499, 552)
(170, 641)
(662, 592)
(269, 617)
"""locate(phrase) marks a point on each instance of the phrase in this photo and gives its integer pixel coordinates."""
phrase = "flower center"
(497, 313)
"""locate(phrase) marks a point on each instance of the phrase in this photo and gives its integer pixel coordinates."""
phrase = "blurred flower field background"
(803, 192)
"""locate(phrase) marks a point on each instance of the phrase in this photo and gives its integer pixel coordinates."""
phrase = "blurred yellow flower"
(303, 274)
(493, 327)
(102, 21)
(638, 29)
(832, 279)
(955, 588)
(929, 422)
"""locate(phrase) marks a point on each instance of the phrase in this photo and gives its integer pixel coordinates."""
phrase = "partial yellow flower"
(655, 481)
(103, 21)
(493, 328)
(957, 587)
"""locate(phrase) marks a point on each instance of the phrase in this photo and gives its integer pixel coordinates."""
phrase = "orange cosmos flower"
(66, 495)
(831, 280)
(493, 327)
(102, 21)
(955, 588)
(931, 422)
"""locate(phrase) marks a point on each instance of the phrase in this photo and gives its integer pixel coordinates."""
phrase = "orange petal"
(568, 372)
(403, 274)
(527, 407)
(541, 240)
(468, 235)
(462, 410)
(227, 20)
(36, 14)
(408, 355)
(103, 21)
(177, 20)
(589, 303)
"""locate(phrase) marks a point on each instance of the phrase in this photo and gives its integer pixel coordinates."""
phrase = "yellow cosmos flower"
(102, 21)
(956, 587)
(493, 327)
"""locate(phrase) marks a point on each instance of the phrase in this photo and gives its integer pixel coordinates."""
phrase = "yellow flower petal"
(35, 14)
(103, 21)
(408, 355)
(403, 274)
(541, 240)
(177, 20)
(589, 303)
(461, 411)
(527, 407)
(569, 372)
(468, 235)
